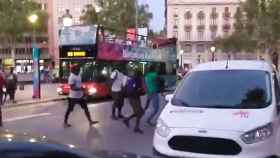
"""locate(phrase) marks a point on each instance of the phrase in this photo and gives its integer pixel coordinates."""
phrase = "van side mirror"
(169, 97)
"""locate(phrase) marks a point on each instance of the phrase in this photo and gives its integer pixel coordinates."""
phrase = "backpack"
(132, 87)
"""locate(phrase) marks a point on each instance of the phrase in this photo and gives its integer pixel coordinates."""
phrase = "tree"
(257, 25)
(14, 21)
(119, 15)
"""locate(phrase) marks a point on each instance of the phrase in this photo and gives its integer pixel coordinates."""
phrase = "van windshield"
(237, 89)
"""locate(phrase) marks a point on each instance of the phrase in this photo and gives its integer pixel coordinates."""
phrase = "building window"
(200, 35)
(188, 48)
(176, 22)
(201, 18)
(175, 15)
(213, 16)
(44, 6)
(200, 48)
(175, 33)
(227, 14)
(188, 17)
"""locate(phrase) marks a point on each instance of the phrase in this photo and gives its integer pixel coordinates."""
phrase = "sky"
(157, 8)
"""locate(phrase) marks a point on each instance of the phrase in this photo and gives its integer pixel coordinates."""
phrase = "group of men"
(131, 86)
(8, 85)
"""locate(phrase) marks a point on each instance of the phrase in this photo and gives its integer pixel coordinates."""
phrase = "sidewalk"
(24, 97)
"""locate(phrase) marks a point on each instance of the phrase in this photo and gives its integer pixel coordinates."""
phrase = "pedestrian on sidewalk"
(133, 90)
(2, 85)
(152, 84)
(76, 96)
(118, 84)
(11, 84)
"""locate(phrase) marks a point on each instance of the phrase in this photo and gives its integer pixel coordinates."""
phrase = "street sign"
(36, 72)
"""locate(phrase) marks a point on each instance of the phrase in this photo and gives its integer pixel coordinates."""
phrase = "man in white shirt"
(76, 96)
(119, 81)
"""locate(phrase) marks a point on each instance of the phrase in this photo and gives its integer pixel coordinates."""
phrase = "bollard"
(1, 121)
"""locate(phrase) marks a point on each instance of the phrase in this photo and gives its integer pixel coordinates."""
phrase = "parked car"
(222, 109)
(17, 145)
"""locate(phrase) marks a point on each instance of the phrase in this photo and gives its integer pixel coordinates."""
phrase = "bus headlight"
(59, 90)
(258, 134)
(162, 129)
(92, 91)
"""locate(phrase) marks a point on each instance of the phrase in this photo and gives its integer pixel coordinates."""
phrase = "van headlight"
(258, 134)
(92, 91)
(162, 129)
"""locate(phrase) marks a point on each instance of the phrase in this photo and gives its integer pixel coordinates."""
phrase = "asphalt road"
(47, 120)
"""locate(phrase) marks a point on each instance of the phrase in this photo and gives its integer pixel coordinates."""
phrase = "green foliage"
(117, 14)
(14, 19)
(256, 24)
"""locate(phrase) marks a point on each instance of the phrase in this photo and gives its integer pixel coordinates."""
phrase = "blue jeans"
(154, 98)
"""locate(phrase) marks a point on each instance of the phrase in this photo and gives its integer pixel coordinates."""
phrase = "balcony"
(188, 28)
(226, 27)
(213, 27)
(201, 27)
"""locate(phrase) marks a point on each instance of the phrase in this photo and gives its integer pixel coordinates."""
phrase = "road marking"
(26, 117)
(98, 104)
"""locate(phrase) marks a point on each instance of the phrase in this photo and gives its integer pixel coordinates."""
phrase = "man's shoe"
(114, 117)
(126, 122)
(67, 125)
(93, 123)
(121, 116)
(151, 124)
(138, 130)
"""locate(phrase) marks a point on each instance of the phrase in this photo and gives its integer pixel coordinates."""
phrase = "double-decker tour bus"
(97, 57)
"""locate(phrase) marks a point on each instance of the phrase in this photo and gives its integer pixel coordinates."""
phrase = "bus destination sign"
(85, 51)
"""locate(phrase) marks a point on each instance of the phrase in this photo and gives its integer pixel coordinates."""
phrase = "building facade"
(59, 9)
(196, 24)
(21, 58)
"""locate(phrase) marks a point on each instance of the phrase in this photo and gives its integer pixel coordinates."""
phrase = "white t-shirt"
(119, 81)
(77, 82)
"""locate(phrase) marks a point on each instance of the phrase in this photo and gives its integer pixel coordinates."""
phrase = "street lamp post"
(181, 55)
(36, 60)
(136, 21)
(213, 49)
(67, 21)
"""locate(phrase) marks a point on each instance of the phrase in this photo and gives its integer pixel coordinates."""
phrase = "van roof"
(235, 65)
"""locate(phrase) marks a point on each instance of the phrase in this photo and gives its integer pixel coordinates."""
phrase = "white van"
(222, 110)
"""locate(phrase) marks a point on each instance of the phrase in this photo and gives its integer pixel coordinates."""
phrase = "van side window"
(277, 90)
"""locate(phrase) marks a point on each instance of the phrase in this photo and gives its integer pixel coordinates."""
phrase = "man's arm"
(72, 84)
(74, 88)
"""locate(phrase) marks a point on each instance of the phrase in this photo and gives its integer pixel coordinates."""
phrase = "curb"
(31, 102)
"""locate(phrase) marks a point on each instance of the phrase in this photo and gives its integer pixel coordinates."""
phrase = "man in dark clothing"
(275, 59)
(11, 84)
(133, 89)
(76, 96)
(2, 85)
